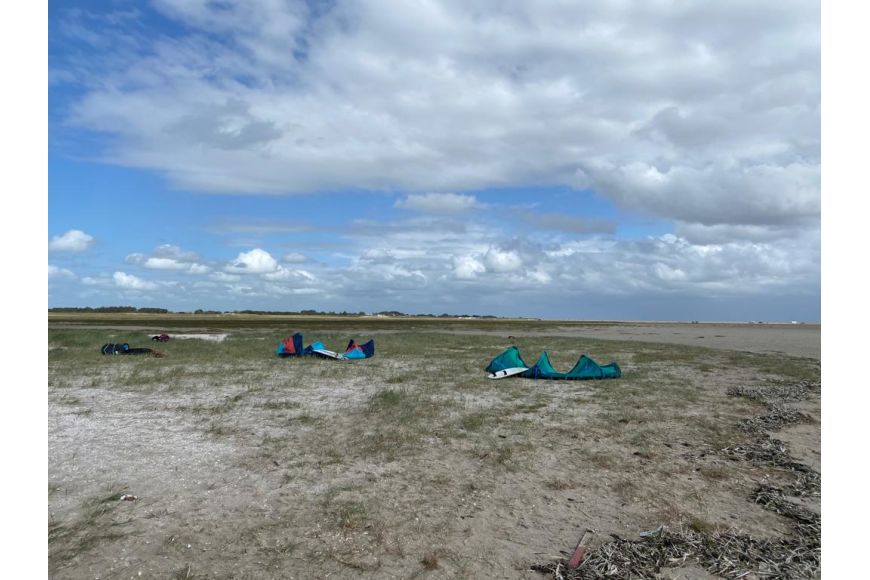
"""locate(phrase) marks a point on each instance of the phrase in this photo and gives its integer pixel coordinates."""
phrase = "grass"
(347, 514)
(559, 484)
(92, 524)
(430, 560)
(701, 525)
(359, 450)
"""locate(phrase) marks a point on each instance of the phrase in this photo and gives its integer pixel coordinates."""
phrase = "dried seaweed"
(728, 554)
(776, 419)
(778, 392)
(724, 554)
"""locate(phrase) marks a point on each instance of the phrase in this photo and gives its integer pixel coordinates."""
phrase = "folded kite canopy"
(355, 350)
(292, 346)
(543, 369)
(509, 359)
(586, 368)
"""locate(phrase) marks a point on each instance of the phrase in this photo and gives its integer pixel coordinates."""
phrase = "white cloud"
(502, 261)
(467, 267)
(287, 274)
(71, 241)
(56, 272)
(130, 282)
(541, 276)
(171, 258)
(294, 258)
(450, 270)
(703, 113)
(164, 264)
(198, 269)
(224, 277)
(669, 273)
(438, 203)
(256, 261)
(175, 253)
(92, 281)
(719, 193)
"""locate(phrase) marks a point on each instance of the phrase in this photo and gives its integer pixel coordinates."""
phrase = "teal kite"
(511, 363)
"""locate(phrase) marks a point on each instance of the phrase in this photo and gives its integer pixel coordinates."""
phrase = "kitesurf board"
(328, 353)
(506, 373)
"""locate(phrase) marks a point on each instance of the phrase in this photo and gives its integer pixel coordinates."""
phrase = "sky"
(655, 160)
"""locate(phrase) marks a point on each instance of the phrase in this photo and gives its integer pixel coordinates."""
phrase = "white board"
(328, 353)
(506, 373)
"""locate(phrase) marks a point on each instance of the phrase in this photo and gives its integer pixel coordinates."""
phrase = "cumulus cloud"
(164, 264)
(169, 257)
(467, 267)
(718, 193)
(56, 272)
(502, 261)
(702, 113)
(130, 282)
(449, 271)
(438, 203)
(71, 241)
(257, 261)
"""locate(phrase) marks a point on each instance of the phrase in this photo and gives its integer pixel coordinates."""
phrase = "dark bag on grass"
(113, 348)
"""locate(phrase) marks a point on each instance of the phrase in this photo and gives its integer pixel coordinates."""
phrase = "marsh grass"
(430, 560)
(422, 400)
(346, 513)
(559, 484)
(94, 522)
(219, 430)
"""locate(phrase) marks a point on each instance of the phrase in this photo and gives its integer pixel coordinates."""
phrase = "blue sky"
(603, 161)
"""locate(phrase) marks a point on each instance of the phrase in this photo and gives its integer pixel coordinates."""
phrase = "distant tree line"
(387, 313)
(299, 312)
(113, 309)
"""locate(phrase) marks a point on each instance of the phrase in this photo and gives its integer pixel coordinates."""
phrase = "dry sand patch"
(211, 337)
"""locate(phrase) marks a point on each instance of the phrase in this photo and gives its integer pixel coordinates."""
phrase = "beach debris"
(128, 497)
(724, 554)
(211, 337)
(656, 533)
(580, 550)
(778, 392)
(125, 349)
(727, 553)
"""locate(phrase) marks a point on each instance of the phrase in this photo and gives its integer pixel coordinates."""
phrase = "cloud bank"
(705, 114)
